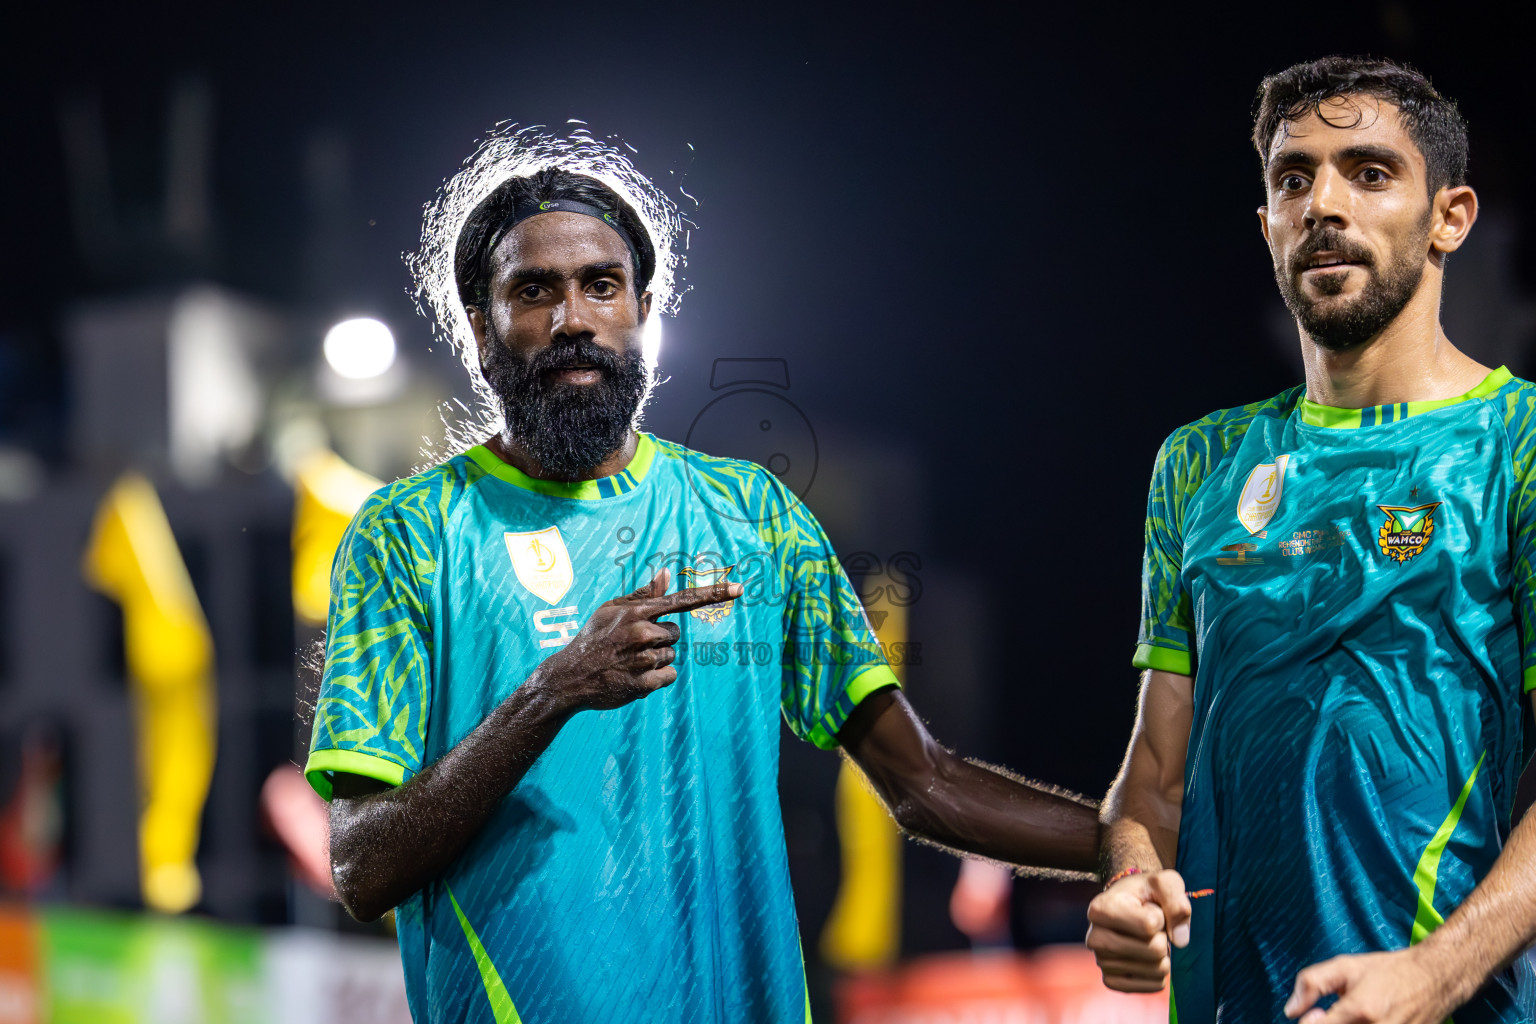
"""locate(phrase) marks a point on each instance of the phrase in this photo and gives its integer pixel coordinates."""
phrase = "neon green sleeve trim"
(322, 762)
(1530, 679)
(875, 677)
(1162, 659)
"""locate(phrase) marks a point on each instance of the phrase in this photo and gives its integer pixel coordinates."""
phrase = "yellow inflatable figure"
(863, 931)
(328, 491)
(132, 558)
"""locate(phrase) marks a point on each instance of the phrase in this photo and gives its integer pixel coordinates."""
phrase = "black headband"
(523, 212)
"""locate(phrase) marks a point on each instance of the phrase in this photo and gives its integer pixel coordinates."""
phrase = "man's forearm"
(1492, 926)
(977, 809)
(965, 806)
(1128, 844)
(387, 845)
(1145, 803)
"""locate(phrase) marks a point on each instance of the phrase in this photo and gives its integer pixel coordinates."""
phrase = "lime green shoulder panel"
(832, 658)
(376, 685)
(1185, 461)
(1516, 402)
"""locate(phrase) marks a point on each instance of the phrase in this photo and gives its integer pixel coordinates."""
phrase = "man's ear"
(1264, 223)
(645, 306)
(1455, 211)
(477, 327)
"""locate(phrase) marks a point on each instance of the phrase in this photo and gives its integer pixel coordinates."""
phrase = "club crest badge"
(541, 562)
(1407, 531)
(1260, 499)
(710, 613)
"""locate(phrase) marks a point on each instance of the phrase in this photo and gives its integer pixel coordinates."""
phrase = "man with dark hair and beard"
(571, 798)
(1337, 619)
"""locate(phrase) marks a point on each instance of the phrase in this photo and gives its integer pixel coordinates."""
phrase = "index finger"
(686, 600)
(1324, 979)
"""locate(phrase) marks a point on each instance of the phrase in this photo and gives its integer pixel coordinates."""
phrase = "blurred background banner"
(952, 275)
(92, 967)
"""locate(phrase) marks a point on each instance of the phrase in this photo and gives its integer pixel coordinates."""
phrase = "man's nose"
(572, 319)
(1328, 203)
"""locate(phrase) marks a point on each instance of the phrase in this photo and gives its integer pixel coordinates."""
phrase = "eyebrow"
(550, 274)
(1364, 153)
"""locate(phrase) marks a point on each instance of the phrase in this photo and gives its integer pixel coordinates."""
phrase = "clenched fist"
(1132, 926)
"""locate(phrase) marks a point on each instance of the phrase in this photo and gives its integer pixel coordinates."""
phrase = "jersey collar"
(622, 482)
(1316, 415)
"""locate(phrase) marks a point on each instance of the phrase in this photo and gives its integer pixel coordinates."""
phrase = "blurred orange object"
(1058, 985)
(19, 998)
(298, 817)
(1072, 991)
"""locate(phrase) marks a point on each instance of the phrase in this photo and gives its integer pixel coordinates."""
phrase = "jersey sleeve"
(1164, 641)
(1520, 421)
(371, 714)
(832, 659)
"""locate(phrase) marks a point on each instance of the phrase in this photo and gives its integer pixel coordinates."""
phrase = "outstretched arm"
(1424, 984)
(934, 794)
(386, 843)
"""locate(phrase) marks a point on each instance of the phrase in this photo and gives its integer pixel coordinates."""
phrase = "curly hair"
(1432, 120)
(472, 251)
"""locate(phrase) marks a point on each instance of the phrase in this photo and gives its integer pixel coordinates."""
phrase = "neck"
(514, 454)
(1411, 360)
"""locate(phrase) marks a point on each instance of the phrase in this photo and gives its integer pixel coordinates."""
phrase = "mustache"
(580, 352)
(1331, 240)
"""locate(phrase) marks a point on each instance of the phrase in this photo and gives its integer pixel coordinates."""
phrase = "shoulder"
(745, 492)
(1515, 401)
(1515, 398)
(414, 509)
(1194, 449)
(736, 479)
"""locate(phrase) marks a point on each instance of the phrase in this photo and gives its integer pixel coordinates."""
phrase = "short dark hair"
(1432, 120)
(472, 251)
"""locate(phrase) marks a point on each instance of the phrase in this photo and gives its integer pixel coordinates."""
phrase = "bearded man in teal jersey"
(1337, 620)
(574, 822)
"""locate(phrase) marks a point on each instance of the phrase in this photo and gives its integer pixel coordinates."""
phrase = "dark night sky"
(1021, 247)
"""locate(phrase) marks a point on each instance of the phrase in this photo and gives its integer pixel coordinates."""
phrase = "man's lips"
(1328, 261)
(582, 374)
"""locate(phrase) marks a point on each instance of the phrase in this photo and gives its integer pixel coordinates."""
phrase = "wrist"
(541, 700)
(1450, 966)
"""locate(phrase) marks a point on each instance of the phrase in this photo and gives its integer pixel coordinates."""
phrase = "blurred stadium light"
(359, 348)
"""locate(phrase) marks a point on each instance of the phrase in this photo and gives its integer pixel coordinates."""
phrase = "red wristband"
(1127, 873)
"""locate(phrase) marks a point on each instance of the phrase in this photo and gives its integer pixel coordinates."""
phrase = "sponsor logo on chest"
(1260, 497)
(1407, 531)
(710, 613)
(1402, 536)
(543, 566)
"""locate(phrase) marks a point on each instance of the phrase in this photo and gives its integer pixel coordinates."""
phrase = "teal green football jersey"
(638, 870)
(1352, 591)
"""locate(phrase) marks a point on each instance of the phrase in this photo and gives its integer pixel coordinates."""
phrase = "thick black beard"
(1340, 328)
(567, 429)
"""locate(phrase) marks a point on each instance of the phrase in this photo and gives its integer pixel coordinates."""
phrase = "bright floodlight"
(361, 348)
(650, 339)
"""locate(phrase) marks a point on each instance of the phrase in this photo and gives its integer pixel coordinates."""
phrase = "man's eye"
(1292, 182)
(603, 287)
(529, 292)
(1373, 176)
